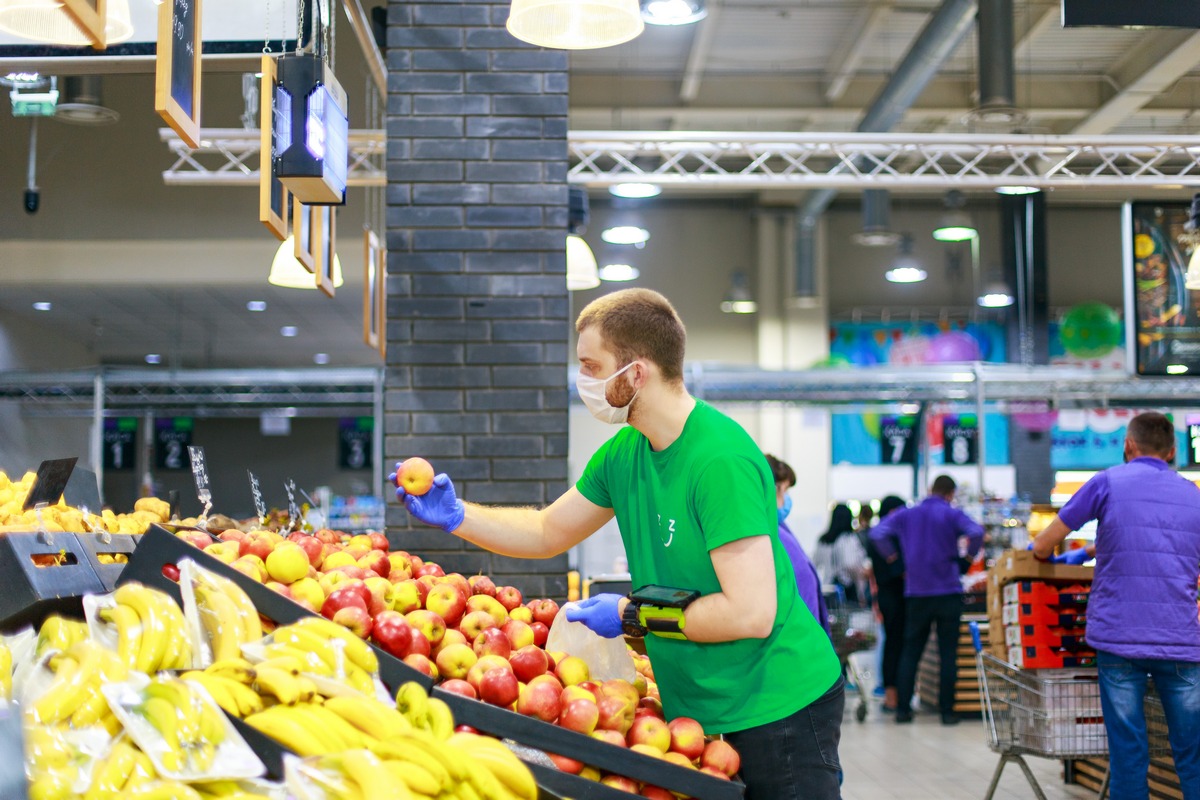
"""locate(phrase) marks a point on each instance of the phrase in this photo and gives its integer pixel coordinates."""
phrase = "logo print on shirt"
(670, 531)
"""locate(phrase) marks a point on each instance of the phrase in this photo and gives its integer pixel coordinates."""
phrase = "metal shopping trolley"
(854, 632)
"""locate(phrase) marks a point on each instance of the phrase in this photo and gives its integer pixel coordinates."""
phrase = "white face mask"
(593, 392)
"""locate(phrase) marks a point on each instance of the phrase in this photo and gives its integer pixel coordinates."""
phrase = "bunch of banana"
(228, 615)
(124, 768)
(191, 728)
(6, 672)
(54, 764)
(233, 790)
(502, 763)
(353, 775)
(112, 558)
(424, 713)
(151, 633)
(59, 633)
(230, 682)
(316, 642)
(74, 697)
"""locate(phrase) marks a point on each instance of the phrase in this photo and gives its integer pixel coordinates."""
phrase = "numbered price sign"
(356, 436)
(171, 440)
(961, 436)
(120, 444)
(898, 440)
(1193, 440)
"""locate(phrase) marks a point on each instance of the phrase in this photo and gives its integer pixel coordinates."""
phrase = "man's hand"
(439, 507)
(1077, 557)
(601, 613)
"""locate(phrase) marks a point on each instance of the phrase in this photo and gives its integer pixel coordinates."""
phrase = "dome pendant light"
(956, 225)
(575, 24)
(289, 273)
(906, 269)
(47, 21)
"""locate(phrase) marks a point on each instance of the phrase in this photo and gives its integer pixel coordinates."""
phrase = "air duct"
(936, 42)
(81, 102)
(997, 94)
(876, 225)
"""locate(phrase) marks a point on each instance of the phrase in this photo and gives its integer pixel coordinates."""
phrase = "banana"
(413, 703)
(162, 715)
(111, 774)
(281, 685)
(222, 623)
(307, 641)
(238, 669)
(90, 711)
(289, 730)
(59, 633)
(487, 784)
(5, 672)
(373, 779)
(248, 701)
(164, 790)
(452, 759)
(298, 660)
(67, 693)
(359, 680)
(179, 646)
(51, 786)
(369, 715)
(129, 632)
(216, 686)
(418, 779)
(441, 719)
(333, 725)
(500, 761)
(356, 650)
(154, 629)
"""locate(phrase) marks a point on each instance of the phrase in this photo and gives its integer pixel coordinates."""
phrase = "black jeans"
(922, 613)
(796, 757)
(891, 607)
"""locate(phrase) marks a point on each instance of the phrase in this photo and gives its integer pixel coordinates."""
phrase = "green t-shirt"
(710, 487)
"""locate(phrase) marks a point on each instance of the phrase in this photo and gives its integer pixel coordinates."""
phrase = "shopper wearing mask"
(889, 600)
(695, 503)
(1142, 607)
(808, 583)
(927, 534)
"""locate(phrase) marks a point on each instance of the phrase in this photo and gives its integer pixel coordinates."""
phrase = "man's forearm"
(715, 618)
(516, 532)
(1050, 537)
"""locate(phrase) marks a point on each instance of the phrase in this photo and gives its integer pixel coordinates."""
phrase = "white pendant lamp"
(582, 272)
(289, 273)
(575, 24)
(47, 21)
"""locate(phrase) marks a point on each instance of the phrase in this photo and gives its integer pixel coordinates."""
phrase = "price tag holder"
(50, 483)
(200, 474)
(293, 509)
(173, 501)
(260, 505)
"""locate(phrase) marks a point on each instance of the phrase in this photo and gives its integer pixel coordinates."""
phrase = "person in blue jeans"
(1142, 618)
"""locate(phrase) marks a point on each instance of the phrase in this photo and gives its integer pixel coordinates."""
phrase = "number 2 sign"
(171, 440)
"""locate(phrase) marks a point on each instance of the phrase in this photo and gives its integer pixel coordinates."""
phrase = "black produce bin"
(116, 544)
(29, 592)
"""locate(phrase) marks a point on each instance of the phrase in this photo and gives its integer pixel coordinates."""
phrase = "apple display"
(448, 602)
(529, 662)
(579, 715)
(393, 633)
(455, 661)
(499, 687)
(492, 641)
(651, 731)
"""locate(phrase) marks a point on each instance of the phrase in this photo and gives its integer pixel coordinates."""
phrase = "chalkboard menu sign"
(177, 68)
(273, 196)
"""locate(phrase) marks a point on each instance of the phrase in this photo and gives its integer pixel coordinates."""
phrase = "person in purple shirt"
(1142, 609)
(807, 582)
(928, 535)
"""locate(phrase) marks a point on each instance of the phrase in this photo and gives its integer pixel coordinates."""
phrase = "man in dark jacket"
(1142, 610)
(928, 534)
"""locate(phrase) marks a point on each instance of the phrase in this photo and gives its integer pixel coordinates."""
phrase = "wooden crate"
(966, 688)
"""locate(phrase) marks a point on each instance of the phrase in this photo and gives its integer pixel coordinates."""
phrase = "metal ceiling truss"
(748, 161)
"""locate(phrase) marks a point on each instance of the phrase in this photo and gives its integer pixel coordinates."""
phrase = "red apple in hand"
(459, 686)
(393, 633)
(356, 619)
(415, 476)
(579, 715)
(529, 662)
(687, 737)
(492, 641)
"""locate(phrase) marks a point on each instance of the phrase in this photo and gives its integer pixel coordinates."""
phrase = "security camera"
(33, 199)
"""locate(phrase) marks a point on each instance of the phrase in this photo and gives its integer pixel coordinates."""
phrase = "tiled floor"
(926, 761)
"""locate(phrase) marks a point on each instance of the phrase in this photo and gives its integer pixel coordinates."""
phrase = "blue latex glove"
(601, 613)
(439, 507)
(1077, 557)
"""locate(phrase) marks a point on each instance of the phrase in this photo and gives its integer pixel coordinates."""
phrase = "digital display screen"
(327, 135)
(1166, 314)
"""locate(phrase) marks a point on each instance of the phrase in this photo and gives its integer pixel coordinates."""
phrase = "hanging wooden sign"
(325, 237)
(177, 68)
(273, 196)
(90, 16)
(304, 227)
(371, 289)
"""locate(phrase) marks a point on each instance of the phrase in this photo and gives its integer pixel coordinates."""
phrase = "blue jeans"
(1122, 690)
(795, 758)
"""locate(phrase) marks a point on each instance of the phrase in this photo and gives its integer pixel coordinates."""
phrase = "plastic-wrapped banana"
(151, 632)
(190, 728)
(227, 614)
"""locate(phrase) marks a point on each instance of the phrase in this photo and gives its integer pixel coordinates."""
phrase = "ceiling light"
(955, 225)
(288, 331)
(876, 229)
(289, 273)
(47, 21)
(625, 234)
(1176, 369)
(1017, 190)
(739, 300)
(995, 295)
(581, 265)
(321, 358)
(256, 305)
(635, 190)
(575, 24)
(906, 269)
(618, 272)
(153, 358)
(673, 12)
(41, 306)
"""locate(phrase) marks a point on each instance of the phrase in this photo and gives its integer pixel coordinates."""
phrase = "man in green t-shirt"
(695, 502)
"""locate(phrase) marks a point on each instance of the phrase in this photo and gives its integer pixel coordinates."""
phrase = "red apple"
(422, 664)
(414, 475)
(428, 623)
(256, 544)
(171, 572)
(482, 584)
(416, 563)
(508, 596)
(250, 567)
(544, 611)
(484, 665)
(687, 737)
(481, 602)
(451, 636)
(721, 756)
(528, 662)
(622, 690)
(200, 540)
(455, 661)
(429, 568)
(656, 793)
(540, 700)
(406, 596)
(572, 670)
(541, 632)
(716, 773)
(678, 759)
(576, 693)
(609, 737)
(621, 783)
(650, 731)
(361, 541)
(379, 541)
(579, 715)
(476, 623)
(547, 678)
(458, 580)
(459, 686)
(499, 687)
(592, 687)
(356, 619)
(344, 597)
(326, 536)
(360, 588)
(519, 634)
(376, 561)
(569, 765)
(448, 602)
(420, 645)
(231, 535)
(521, 614)
(492, 641)
(615, 715)
(428, 582)
(392, 633)
(401, 566)
(649, 706)
(381, 595)
(313, 547)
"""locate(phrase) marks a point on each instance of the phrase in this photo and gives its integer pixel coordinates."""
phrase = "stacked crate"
(1044, 625)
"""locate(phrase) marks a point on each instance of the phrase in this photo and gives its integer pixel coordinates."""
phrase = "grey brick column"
(478, 312)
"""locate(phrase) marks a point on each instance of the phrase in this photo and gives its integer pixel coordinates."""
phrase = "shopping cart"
(854, 632)
(1050, 713)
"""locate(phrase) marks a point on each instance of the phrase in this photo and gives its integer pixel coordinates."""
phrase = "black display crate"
(31, 592)
(108, 544)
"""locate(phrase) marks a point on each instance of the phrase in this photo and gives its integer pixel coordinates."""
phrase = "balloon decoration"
(832, 361)
(983, 337)
(1035, 417)
(909, 351)
(1090, 330)
(952, 347)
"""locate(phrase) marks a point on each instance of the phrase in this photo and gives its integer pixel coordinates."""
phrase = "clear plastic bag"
(333, 657)
(63, 759)
(607, 659)
(143, 625)
(220, 616)
(322, 777)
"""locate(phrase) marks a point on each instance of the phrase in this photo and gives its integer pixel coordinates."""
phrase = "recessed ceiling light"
(321, 358)
(673, 12)
(906, 275)
(256, 305)
(41, 306)
(289, 331)
(1017, 190)
(625, 234)
(635, 190)
(618, 272)
(153, 358)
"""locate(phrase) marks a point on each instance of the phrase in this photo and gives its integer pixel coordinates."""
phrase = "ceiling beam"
(1149, 69)
(849, 53)
(706, 30)
(1048, 19)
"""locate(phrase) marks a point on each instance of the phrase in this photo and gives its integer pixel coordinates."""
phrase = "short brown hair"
(638, 323)
(781, 470)
(943, 486)
(1152, 433)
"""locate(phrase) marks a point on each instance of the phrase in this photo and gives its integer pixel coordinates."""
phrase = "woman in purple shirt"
(807, 582)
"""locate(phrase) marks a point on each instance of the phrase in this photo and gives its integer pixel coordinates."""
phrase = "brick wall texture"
(477, 304)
